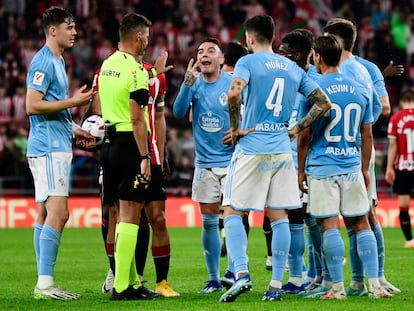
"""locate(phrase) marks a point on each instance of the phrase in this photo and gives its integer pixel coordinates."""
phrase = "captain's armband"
(140, 96)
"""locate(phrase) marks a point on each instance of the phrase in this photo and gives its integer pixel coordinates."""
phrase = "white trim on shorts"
(51, 174)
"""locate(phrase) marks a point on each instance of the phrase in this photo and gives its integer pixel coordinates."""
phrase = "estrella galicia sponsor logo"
(210, 122)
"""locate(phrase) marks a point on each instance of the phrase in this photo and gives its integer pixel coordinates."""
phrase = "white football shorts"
(258, 181)
(51, 174)
(342, 194)
(208, 184)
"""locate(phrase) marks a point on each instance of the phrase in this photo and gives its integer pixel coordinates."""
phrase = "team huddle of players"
(272, 133)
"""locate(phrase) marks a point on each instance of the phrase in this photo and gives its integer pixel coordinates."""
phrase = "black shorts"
(120, 161)
(156, 190)
(404, 182)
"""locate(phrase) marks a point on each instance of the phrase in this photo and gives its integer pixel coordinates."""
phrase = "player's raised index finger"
(198, 62)
(190, 64)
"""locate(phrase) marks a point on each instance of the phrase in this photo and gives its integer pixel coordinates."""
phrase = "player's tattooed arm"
(321, 104)
(235, 101)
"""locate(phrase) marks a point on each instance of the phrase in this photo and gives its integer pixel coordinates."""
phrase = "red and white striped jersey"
(157, 88)
(401, 127)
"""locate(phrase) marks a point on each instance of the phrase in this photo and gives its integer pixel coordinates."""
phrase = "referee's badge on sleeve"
(38, 78)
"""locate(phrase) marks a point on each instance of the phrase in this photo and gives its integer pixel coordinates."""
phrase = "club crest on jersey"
(38, 78)
(223, 99)
(62, 182)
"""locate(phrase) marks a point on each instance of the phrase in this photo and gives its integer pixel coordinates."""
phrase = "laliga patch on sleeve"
(38, 78)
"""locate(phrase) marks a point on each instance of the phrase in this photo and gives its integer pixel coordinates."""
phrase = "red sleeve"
(392, 128)
(161, 93)
(95, 80)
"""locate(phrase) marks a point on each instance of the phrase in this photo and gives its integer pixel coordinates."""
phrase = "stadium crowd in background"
(384, 29)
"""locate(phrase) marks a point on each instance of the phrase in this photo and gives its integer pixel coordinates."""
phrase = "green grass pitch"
(82, 265)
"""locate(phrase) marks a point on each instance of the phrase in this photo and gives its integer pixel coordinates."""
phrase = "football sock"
(49, 241)
(44, 281)
(134, 279)
(230, 265)
(161, 256)
(236, 240)
(357, 267)
(126, 239)
(109, 247)
(267, 230)
(221, 223)
(311, 273)
(274, 284)
(36, 241)
(334, 250)
(211, 245)
(246, 223)
(405, 223)
(141, 250)
(379, 236)
(315, 238)
(367, 251)
(280, 247)
(110, 253)
(325, 271)
(296, 251)
(104, 229)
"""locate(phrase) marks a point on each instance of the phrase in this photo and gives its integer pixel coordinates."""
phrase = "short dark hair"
(54, 16)
(262, 26)
(330, 48)
(407, 96)
(299, 39)
(233, 52)
(211, 40)
(131, 23)
(344, 29)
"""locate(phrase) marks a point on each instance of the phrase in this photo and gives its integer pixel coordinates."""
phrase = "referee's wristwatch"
(146, 156)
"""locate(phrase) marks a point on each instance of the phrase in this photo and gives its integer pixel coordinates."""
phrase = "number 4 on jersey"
(278, 87)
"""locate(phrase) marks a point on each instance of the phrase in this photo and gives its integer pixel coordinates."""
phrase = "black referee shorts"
(404, 182)
(120, 160)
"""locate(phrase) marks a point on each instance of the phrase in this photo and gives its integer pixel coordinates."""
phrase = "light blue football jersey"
(294, 117)
(210, 119)
(376, 76)
(49, 132)
(354, 70)
(269, 98)
(334, 148)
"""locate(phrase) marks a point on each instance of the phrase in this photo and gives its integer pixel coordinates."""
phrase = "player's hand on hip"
(233, 135)
(191, 73)
(227, 138)
(293, 132)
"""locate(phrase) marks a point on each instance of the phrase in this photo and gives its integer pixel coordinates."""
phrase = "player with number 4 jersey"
(262, 163)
